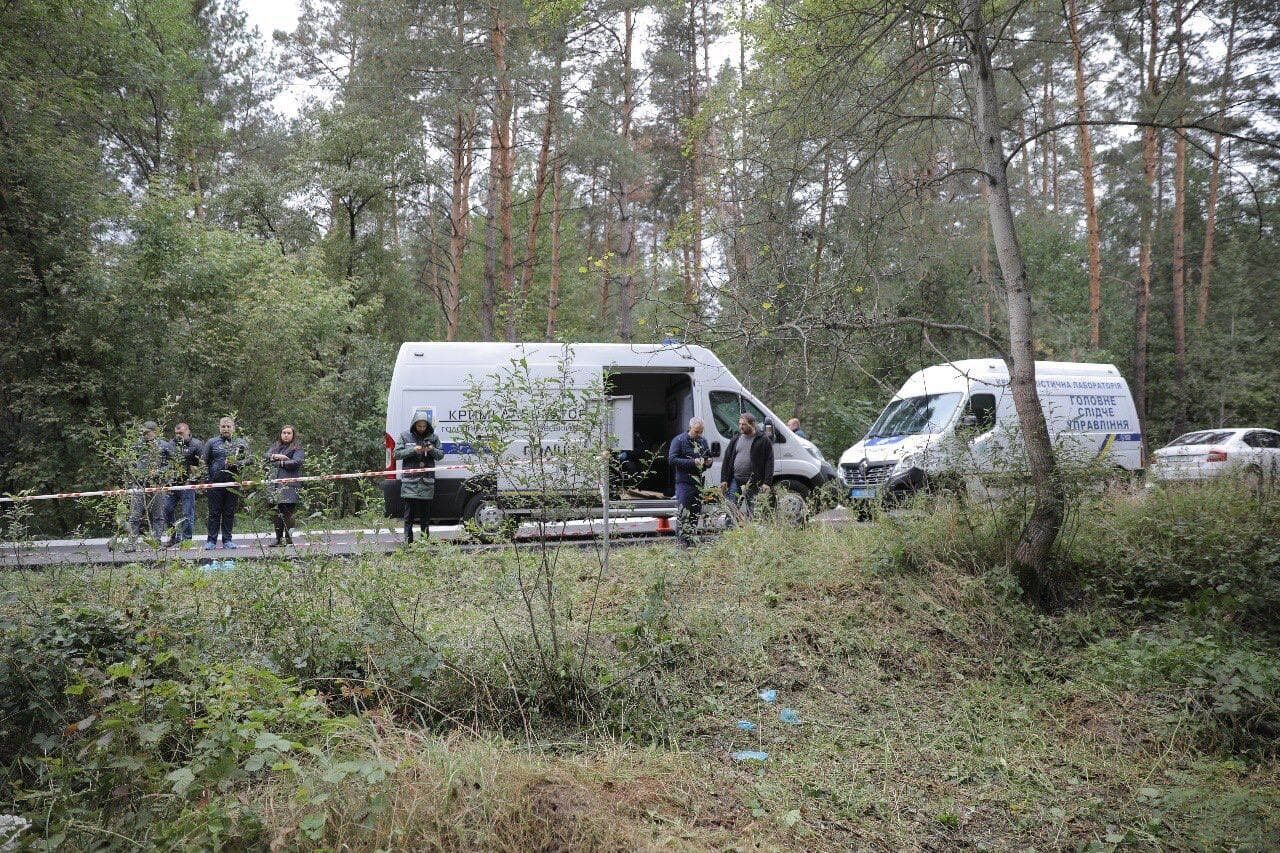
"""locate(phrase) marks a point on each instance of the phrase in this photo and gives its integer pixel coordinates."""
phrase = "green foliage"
(1210, 550)
(1229, 687)
(100, 708)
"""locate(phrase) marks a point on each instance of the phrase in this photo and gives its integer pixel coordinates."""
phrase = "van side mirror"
(969, 421)
(715, 450)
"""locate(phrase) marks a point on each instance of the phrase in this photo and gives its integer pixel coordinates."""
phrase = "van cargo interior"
(662, 406)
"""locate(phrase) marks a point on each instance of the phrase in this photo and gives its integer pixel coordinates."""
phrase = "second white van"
(957, 420)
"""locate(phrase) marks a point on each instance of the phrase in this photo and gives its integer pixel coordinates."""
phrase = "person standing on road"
(223, 455)
(418, 450)
(688, 456)
(794, 426)
(748, 465)
(146, 464)
(182, 458)
(284, 460)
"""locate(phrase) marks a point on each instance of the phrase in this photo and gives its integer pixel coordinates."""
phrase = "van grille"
(853, 474)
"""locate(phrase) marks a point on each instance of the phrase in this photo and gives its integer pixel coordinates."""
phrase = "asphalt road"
(336, 543)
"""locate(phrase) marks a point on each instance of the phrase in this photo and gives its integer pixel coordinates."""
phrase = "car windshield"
(915, 415)
(1206, 436)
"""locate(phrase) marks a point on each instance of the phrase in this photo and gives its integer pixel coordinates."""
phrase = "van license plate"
(862, 493)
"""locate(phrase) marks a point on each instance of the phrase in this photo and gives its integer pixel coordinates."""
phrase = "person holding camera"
(284, 460)
(223, 456)
(182, 458)
(688, 456)
(418, 451)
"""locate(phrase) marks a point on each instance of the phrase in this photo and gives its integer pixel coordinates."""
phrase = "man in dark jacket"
(145, 460)
(418, 451)
(747, 469)
(688, 456)
(223, 455)
(182, 458)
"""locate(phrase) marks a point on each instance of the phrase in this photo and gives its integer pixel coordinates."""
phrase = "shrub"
(39, 661)
(1229, 687)
(1213, 548)
(944, 531)
(103, 716)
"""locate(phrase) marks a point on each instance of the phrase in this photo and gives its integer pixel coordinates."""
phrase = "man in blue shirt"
(688, 456)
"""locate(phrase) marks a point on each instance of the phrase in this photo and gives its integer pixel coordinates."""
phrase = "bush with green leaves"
(1229, 686)
(1212, 548)
(105, 711)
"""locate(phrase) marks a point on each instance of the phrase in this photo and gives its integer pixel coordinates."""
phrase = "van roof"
(958, 373)
(490, 352)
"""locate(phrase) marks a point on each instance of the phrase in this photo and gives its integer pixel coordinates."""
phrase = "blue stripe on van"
(888, 439)
(1129, 436)
(455, 448)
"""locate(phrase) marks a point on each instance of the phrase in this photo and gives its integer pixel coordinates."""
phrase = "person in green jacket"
(418, 450)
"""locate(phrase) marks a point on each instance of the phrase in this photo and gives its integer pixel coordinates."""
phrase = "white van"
(957, 419)
(662, 386)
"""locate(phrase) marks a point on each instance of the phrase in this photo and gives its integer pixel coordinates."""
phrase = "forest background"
(807, 203)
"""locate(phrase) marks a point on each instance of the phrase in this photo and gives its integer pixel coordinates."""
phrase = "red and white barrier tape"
(230, 484)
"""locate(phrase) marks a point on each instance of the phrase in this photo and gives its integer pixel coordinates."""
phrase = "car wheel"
(488, 520)
(791, 501)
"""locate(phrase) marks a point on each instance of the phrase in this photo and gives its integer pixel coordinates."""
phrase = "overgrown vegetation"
(376, 703)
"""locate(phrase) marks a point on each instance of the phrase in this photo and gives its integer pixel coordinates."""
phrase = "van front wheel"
(489, 520)
(791, 501)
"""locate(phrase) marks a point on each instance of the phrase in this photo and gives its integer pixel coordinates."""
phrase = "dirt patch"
(645, 812)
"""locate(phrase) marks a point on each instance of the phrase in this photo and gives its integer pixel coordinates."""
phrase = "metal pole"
(604, 479)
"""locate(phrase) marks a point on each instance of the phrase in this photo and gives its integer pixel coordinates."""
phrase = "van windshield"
(915, 415)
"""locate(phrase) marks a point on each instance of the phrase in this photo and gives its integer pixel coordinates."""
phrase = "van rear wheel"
(791, 501)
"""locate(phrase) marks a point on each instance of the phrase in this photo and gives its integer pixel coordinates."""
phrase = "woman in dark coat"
(284, 460)
(418, 450)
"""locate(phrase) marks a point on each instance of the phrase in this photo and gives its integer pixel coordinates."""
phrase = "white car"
(1202, 455)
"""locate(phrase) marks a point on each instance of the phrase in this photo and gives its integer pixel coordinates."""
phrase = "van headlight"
(815, 453)
(907, 462)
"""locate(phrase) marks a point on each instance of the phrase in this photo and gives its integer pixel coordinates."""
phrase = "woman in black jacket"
(284, 460)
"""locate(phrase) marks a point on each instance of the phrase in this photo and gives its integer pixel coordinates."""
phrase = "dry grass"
(462, 794)
(937, 712)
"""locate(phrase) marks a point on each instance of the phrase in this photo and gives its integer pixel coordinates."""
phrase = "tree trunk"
(820, 239)
(502, 117)
(1053, 144)
(626, 221)
(606, 272)
(1092, 235)
(1211, 218)
(542, 176)
(1150, 154)
(553, 288)
(984, 263)
(488, 304)
(694, 282)
(1179, 239)
(1045, 141)
(464, 128)
(1027, 155)
(196, 189)
(1031, 555)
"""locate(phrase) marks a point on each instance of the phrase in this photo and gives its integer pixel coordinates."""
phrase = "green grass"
(936, 710)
